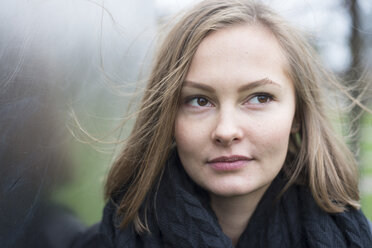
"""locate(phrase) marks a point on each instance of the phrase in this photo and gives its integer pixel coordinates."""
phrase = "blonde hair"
(316, 157)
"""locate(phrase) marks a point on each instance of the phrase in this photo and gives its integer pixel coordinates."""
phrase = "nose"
(227, 130)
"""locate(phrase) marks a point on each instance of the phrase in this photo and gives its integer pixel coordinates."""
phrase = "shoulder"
(350, 226)
(106, 233)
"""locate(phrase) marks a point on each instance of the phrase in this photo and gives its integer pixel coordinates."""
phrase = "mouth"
(229, 163)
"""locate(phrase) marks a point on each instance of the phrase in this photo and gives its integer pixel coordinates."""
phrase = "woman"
(231, 146)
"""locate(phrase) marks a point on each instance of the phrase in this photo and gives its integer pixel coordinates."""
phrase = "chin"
(231, 189)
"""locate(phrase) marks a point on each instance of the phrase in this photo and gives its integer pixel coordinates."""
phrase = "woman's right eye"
(199, 102)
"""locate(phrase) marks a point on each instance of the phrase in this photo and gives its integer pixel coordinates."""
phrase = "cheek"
(272, 135)
(188, 135)
(190, 144)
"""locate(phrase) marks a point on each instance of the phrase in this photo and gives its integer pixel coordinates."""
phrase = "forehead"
(248, 51)
(244, 32)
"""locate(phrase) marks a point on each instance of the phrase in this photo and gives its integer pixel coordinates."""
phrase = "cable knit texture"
(182, 218)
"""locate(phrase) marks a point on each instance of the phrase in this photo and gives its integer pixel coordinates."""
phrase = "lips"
(229, 163)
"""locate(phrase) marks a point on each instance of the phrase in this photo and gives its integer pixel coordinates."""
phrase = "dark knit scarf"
(183, 219)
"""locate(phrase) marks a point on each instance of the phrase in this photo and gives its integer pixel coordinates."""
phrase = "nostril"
(225, 141)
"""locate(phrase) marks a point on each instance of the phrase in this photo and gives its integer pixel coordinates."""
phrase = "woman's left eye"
(260, 99)
(199, 102)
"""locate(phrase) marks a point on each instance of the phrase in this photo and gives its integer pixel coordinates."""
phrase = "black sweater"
(182, 218)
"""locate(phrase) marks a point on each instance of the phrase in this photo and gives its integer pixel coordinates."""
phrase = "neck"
(233, 212)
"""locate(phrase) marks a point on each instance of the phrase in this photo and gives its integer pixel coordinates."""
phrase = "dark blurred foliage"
(54, 58)
(33, 155)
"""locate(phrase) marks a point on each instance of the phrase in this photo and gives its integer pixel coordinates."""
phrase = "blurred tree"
(354, 72)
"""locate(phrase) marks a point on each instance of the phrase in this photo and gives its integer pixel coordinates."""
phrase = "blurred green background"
(366, 166)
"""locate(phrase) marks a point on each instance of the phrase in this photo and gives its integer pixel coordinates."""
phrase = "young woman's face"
(233, 125)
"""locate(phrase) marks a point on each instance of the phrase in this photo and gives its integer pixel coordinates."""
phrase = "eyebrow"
(247, 86)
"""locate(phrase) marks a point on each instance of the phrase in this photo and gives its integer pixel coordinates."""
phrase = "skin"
(236, 100)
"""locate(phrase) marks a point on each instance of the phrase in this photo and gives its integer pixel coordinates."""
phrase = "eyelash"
(208, 102)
